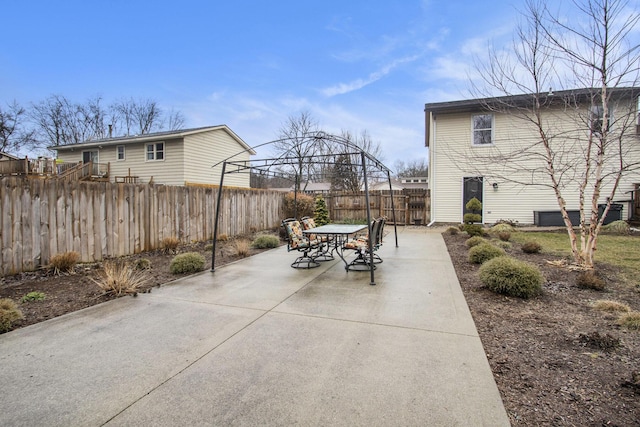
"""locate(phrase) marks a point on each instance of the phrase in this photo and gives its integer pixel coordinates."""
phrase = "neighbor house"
(488, 149)
(180, 157)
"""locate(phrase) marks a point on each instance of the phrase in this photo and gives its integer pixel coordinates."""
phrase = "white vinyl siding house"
(456, 153)
(180, 157)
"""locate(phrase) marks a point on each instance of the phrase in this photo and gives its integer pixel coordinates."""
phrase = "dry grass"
(64, 262)
(9, 313)
(223, 237)
(611, 306)
(119, 278)
(630, 320)
(170, 245)
(243, 247)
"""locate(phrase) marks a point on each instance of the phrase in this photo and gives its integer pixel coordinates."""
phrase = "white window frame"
(124, 153)
(474, 130)
(596, 115)
(154, 151)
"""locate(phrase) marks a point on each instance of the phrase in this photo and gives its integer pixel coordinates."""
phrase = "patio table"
(336, 234)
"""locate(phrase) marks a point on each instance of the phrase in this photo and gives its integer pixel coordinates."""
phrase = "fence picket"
(41, 218)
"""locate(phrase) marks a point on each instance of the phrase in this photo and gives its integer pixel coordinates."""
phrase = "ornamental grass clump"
(512, 277)
(266, 241)
(590, 280)
(188, 262)
(119, 278)
(64, 262)
(531, 247)
(9, 313)
(475, 241)
(619, 227)
(505, 236)
(611, 306)
(630, 320)
(484, 252)
(170, 245)
(243, 247)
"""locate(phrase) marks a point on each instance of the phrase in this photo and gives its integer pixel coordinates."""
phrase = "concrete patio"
(259, 343)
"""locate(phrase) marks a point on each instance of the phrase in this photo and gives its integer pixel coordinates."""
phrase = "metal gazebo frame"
(230, 166)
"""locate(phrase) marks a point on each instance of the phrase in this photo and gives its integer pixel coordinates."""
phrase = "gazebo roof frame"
(230, 166)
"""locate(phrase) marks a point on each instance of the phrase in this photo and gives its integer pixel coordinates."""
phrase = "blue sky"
(353, 64)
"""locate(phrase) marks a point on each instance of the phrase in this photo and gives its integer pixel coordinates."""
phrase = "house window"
(120, 152)
(482, 129)
(597, 119)
(155, 151)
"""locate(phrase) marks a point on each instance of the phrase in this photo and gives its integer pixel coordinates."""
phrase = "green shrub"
(188, 262)
(484, 252)
(531, 247)
(512, 277)
(64, 262)
(143, 264)
(474, 205)
(473, 229)
(502, 244)
(320, 213)
(475, 241)
(617, 227)
(452, 230)
(590, 280)
(266, 241)
(470, 218)
(9, 313)
(630, 320)
(502, 227)
(33, 296)
(208, 247)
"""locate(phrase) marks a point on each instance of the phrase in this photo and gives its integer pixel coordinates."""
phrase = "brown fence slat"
(42, 218)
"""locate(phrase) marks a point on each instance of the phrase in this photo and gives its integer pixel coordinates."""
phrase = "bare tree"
(140, 117)
(346, 173)
(297, 142)
(59, 121)
(14, 136)
(589, 154)
(175, 120)
(412, 168)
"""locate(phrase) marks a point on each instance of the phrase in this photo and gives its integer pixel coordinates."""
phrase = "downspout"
(432, 158)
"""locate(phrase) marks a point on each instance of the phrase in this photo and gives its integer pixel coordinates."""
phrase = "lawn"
(618, 251)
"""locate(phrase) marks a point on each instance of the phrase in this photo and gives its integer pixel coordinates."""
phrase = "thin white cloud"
(342, 88)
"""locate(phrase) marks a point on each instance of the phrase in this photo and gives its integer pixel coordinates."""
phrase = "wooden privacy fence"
(41, 218)
(411, 206)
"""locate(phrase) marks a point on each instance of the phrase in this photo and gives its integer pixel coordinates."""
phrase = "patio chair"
(296, 241)
(360, 245)
(323, 252)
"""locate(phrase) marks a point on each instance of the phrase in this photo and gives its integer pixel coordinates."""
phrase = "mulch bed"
(556, 360)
